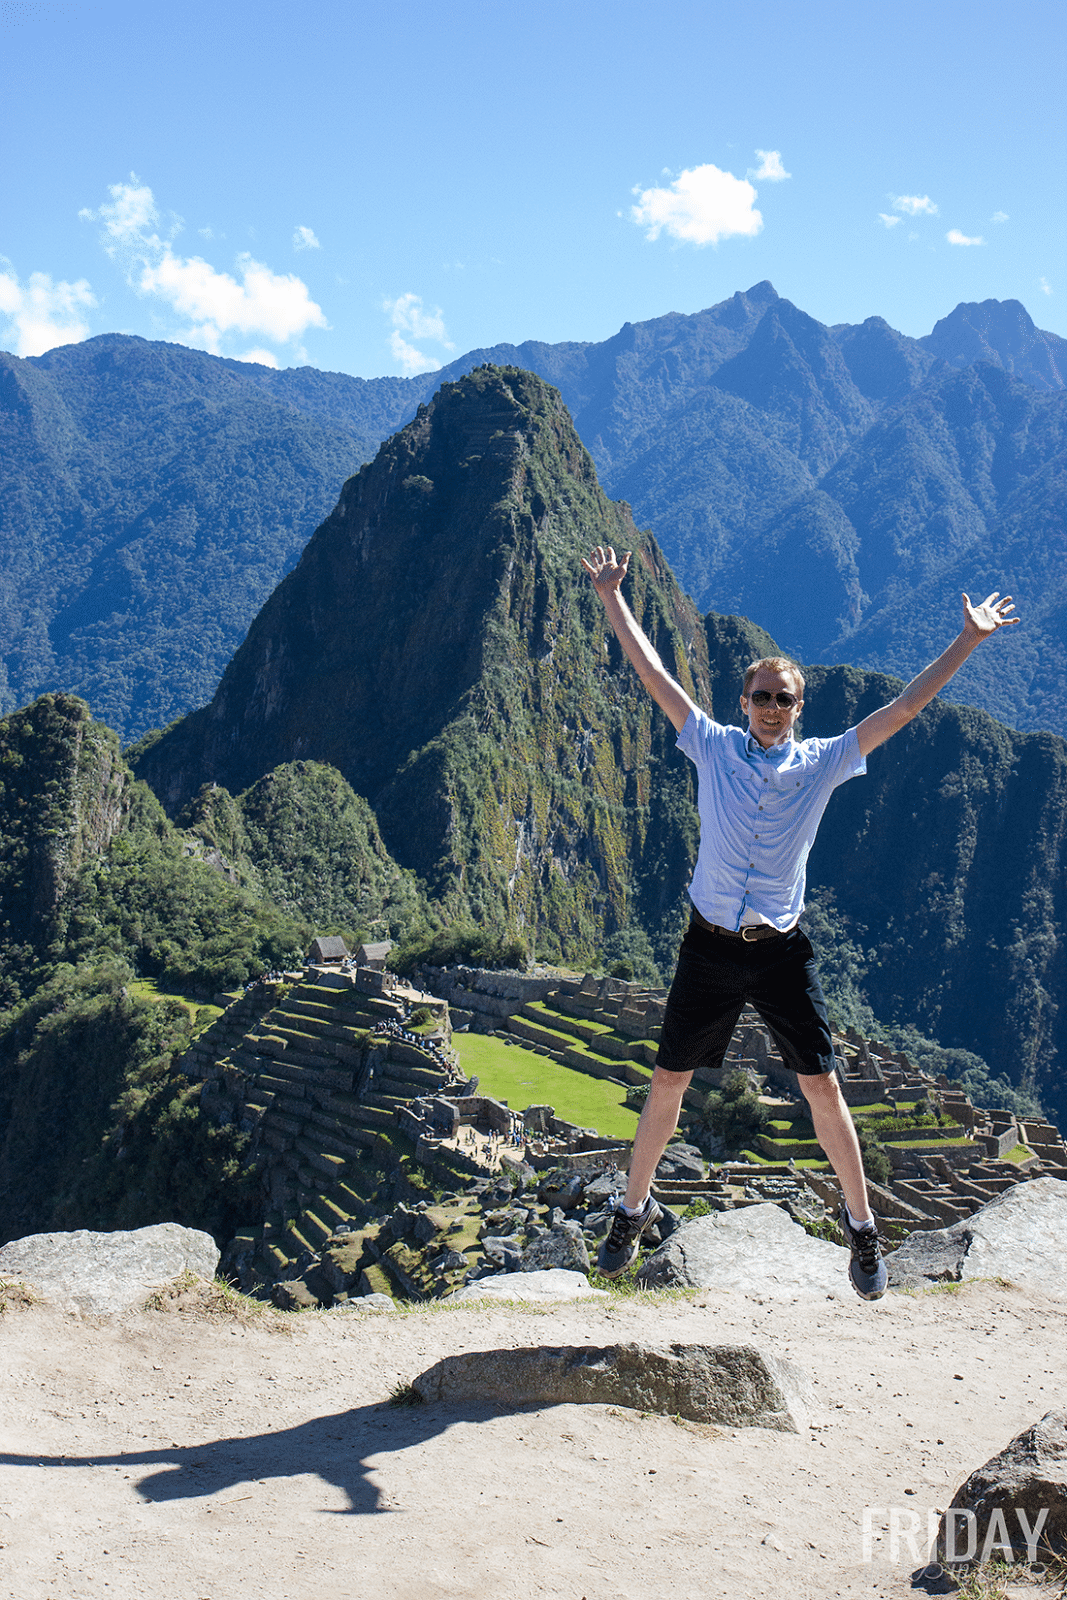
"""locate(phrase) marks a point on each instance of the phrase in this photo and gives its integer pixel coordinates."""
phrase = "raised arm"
(978, 623)
(607, 574)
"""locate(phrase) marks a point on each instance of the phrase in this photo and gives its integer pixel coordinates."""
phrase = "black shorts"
(716, 977)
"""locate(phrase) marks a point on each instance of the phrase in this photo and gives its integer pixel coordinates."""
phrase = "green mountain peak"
(439, 644)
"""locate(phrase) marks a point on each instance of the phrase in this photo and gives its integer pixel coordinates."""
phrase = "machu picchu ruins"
(384, 1170)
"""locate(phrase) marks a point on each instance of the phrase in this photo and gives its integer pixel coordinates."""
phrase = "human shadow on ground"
(339, 1449)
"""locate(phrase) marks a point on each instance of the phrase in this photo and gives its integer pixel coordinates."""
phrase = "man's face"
(770, 724)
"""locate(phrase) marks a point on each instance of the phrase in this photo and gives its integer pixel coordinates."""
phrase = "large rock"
(561, 1188)
(734, 1386)
(1027, 1485)
(1021, 1235)
(104, 1273)
(552, 1283)
(563, 1247)
(757, 1249)
(681, 1161)
(504, 1250)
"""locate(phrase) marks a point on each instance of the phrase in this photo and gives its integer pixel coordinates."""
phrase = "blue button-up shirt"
(759, 813)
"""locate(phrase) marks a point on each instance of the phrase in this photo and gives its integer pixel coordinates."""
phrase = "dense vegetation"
(100, 1130)
(460, 943)
(98, 1127)
(302, 839)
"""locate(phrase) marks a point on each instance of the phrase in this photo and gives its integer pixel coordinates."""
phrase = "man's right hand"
(605, 570)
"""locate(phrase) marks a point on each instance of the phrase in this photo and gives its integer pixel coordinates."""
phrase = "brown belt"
(760, 930)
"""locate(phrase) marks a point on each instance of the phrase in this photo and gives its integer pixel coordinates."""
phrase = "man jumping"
(761, 796)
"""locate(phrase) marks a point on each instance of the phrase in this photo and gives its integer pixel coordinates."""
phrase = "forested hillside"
(150, 499)
(105, 908)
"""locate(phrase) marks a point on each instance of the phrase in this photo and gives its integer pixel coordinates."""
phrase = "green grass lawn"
(202, 1016)
(551, 1015)
(758, 1160)
(523, 1078)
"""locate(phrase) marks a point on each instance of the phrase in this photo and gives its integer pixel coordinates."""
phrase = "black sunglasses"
(783, 699)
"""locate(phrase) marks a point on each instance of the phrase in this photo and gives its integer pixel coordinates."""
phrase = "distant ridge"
(1002, 332)
(153, 496)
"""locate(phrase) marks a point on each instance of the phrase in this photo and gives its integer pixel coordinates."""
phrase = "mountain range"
(439, 645)
(838, 485)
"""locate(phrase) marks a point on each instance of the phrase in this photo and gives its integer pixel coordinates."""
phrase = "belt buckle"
(749, 935)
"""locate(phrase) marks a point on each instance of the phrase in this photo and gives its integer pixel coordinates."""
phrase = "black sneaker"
(866, 1268)
(620, 1248)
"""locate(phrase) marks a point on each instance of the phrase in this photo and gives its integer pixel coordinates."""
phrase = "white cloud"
(770, 169)
(304, 239)
(1046, 287)
(43, 314)
(999, 216)
(410, 316)
(130, 217)
(954, 236)
(914, 205)
(216, 304)
(272, 303)
(410, 359)
(261, 358)
(890, 222)
(702, 206)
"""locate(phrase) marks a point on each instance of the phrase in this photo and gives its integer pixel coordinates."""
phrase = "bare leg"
(658, 1121)
(836, 1132)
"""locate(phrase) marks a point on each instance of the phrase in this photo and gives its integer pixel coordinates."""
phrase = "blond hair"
(780, 664)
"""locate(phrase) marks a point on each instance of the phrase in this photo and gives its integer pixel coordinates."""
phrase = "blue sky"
(375, 189)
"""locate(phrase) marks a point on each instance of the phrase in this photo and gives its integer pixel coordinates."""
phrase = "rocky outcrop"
(734, 1386)
(106, 1273)
(758, 1250)
(536, 1288)
(1020, 1236)
(1015, 1505)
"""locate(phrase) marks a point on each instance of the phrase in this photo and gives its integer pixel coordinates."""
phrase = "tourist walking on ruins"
(761, 796)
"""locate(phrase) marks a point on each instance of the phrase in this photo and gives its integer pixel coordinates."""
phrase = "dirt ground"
(175, 1454)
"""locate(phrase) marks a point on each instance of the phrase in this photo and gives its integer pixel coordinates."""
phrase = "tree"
(734, 1112)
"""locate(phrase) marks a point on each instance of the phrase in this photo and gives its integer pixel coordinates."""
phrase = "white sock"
(868, 1221)
(635, 1211)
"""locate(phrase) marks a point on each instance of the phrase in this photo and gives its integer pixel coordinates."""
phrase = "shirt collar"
(782, 748)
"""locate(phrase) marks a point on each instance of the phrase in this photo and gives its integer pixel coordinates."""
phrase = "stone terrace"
(316, 1068)
(611, 1029)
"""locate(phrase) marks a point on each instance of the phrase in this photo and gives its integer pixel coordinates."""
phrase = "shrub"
(734, 1112)
(460, 942)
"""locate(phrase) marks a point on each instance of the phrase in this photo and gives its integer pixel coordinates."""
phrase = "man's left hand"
(981, 620)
